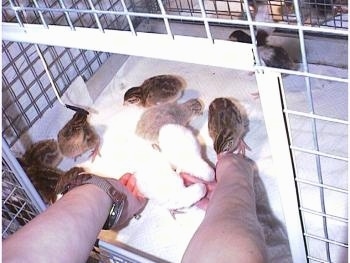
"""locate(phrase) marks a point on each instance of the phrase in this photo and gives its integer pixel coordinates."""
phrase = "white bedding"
(157, 233)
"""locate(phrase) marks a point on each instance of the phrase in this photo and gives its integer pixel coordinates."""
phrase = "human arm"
(230, 231)
(67, 230)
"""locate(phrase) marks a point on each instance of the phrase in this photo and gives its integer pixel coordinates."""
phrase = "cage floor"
(156, 232)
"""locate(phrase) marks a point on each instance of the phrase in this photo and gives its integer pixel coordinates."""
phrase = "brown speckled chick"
(227, 125)
(66, 178)
(170, 113)
(78, 136)
(156, 90)
(44, 179)
(40, 162)
(44, 152)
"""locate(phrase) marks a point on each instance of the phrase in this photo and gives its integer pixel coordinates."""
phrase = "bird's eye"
(133, 100)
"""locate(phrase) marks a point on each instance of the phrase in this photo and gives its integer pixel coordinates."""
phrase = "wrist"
(106, 185)
(223, 155)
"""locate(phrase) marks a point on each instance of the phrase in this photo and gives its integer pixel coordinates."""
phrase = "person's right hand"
(189, 179)
(234, 164)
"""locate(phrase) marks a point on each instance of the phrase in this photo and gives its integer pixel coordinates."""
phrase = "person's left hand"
(135, 201)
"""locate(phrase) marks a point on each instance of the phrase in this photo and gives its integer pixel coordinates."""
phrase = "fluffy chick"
(158, 182)
(183, 151)
(154, 118)
(271, 56)
(227, 125)
(78, 136)
(156, 90)
(42, 153)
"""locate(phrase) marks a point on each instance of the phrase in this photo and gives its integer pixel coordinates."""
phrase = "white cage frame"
(224, 54)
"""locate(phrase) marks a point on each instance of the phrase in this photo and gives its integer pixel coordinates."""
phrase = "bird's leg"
(255, 95)
(242, 146)
(156, 147)
(76, 157)
(174, 212)
(95, 152)
(251, 73)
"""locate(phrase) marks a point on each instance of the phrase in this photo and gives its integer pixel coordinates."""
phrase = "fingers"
(135, 201)
(203, 203)
(129, 181)
(210, 186)
(125, 178)
(190, 179)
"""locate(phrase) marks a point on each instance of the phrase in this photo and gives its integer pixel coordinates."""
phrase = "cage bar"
(275, 125)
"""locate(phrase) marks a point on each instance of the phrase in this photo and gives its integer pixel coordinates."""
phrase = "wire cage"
(47, 43)
(17, 211)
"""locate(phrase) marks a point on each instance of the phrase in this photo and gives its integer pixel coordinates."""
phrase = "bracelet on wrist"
(118, 198)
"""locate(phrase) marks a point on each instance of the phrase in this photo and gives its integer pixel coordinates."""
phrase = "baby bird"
(182, 149)
(227, 125)
(78, 136)
(157, 181)
(169, 113)
(42, 153)
(240, 36)
(44, 179)
(39, 163)
(66, 178)
(156, 90)
(271, 56)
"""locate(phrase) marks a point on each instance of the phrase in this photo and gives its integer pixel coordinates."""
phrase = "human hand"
(129, 181)
(135, 201)
(230, 163)
(189, 179)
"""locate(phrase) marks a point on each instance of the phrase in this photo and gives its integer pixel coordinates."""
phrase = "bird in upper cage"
(227, 124)
(44, 179)
(240, 36)
(42, 153)
(154, 118)
(271, 56)
(156, 90)
(78, 136)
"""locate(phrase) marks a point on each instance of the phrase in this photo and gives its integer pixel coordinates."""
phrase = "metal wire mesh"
(55, 13)
(17, 208)
(111, 14)
(315, 132)
(26, 90)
